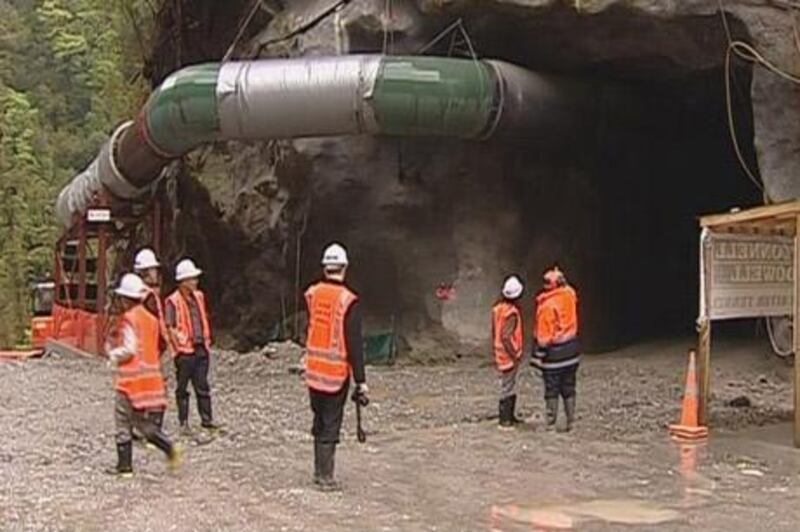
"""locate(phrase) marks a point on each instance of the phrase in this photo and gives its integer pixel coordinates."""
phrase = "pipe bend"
(182, 112)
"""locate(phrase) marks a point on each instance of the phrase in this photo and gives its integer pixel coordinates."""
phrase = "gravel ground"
(434, 459)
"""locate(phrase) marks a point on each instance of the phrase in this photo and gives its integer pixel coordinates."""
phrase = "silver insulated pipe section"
(324, 96)
(290, 98)
(102, 173)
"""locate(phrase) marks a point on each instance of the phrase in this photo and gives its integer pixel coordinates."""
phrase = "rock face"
(614, 206)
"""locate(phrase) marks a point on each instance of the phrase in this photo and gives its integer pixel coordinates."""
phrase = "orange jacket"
(139, 377)
(183, 342)
(556, 316)
(327, 366)
(502, 312)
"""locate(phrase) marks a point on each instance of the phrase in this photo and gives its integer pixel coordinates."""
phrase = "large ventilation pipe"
(314, 97)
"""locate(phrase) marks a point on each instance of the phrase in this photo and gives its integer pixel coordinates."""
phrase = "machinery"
(92, 250)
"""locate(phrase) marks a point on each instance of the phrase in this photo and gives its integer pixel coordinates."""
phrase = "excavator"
(42, 293)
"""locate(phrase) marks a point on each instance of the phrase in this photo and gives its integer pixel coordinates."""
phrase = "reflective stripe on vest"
(139, 377)
(184, 343)
(501, 313)
(327, 366)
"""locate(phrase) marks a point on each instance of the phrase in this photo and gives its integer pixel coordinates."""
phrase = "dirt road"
(433, 461)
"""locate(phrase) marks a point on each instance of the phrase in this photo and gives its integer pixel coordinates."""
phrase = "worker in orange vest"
(133, 351)
(190, 331)
(557, 348)
(146, 266)
(334, 354)
(508, 347)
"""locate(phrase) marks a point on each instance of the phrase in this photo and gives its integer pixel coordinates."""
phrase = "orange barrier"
(688, 429)
(78, 328)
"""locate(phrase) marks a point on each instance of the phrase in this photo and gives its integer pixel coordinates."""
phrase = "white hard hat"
(131, 286)
(187, 270)
(145, 260)
(512, 288)
(335, 255)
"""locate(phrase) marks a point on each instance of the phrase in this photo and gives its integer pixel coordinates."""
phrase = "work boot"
(551, 406)
(327, 461)
(210, 426)
(124, 467)
(569, 410)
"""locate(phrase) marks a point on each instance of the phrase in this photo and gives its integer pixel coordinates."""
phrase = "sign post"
(749, 268)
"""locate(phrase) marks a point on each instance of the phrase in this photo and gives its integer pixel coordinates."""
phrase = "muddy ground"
(434, 459)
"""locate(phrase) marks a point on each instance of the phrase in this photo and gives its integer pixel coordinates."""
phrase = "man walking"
(190, 331)
(133, 351)
(147, 267)
(334, 353)
(507, 343)
(557, 349)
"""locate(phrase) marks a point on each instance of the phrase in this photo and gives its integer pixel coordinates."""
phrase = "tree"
(66, 80)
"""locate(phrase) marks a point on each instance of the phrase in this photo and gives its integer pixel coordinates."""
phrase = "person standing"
(147, 267)
(557, 348)
(508, 347)
(334, 354)
(190, 330)
(132, 350)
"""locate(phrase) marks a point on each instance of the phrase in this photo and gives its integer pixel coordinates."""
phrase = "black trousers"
(328, 414)
(560, 382)
(193, 368)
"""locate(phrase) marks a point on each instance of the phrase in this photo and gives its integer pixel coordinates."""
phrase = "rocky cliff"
(613, 204)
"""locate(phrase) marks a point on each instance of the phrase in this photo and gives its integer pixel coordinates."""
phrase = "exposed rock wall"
(614, 206)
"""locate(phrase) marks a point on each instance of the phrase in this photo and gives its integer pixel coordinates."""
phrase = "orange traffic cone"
(688, 429)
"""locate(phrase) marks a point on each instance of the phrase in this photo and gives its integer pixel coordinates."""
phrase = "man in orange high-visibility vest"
(557, 348)
(334, 354)
(133, 351)
(507, 344)
(190, 329)
(146, 266)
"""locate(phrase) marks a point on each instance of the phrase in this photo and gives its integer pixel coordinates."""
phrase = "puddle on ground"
(567, 516)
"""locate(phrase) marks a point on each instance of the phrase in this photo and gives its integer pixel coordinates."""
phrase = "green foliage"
(69, 72)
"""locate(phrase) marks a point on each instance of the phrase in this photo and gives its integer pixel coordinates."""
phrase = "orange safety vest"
(139, 377)
(184, 343)
(501, 313)
(556, 316)
(327, 366)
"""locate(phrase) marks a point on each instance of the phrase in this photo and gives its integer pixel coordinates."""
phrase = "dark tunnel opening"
(616, 205)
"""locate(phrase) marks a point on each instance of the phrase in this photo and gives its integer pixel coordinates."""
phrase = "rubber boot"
(158, 418)
(206, 419)
(512, 411)
(183, 410)
(569, 410)
(551, 406)
(161, 442)
(327, 466)
(124, 467)
(317, 463)
(504, 409)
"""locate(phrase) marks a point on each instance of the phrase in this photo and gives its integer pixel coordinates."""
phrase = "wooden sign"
(748, 276)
